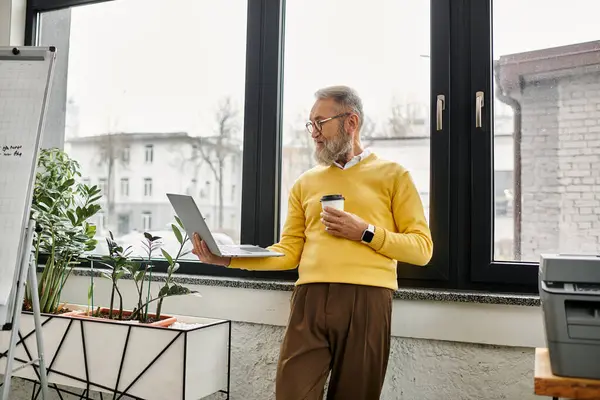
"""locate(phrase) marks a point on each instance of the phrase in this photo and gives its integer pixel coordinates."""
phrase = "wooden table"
(547, 384)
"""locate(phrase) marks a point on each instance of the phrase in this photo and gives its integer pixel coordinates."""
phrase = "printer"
(570, 298)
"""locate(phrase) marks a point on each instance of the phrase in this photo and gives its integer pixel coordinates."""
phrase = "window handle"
(441, 106)
(479, 99)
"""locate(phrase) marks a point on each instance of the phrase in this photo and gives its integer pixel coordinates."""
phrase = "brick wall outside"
(561, 165)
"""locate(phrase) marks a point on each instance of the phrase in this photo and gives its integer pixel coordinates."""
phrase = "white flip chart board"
(25, 77)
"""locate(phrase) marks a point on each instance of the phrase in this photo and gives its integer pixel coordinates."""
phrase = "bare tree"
(215, 149)
(405, 118)
(398, 122)
(369, 128)
(297, 152)
(112, 146)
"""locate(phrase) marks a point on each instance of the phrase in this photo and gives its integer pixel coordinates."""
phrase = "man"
(342, 304)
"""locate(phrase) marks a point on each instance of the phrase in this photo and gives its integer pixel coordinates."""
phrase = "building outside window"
(149, 153)
(103, 186)
(124, 187)
(146, 221)
(147, 187)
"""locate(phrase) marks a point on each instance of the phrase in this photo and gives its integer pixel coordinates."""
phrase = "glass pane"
(547, 128)
(384, 57)
(154, 105)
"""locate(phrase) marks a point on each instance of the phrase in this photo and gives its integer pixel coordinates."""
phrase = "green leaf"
(179, 222)
(68, 183)
(46, 200)
(178, 290)
(163, 291)
(71, 217)
(177, 233)
(167, 256)
(106, 275)
(138, 275)
(91, 230)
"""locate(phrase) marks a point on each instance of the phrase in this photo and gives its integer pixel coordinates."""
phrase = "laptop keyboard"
(228, 249)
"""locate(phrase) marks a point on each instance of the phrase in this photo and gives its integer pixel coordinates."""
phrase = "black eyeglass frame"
(318, 125)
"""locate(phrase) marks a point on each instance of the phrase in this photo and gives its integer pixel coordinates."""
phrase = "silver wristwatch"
(368, 234)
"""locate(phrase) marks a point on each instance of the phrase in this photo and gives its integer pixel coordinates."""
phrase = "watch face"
(368, 236)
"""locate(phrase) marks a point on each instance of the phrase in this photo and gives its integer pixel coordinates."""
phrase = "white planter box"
(142, 361)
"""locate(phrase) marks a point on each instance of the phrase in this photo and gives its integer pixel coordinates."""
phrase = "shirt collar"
(355, 160)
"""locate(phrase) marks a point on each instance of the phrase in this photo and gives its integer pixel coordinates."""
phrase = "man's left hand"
(343, 224)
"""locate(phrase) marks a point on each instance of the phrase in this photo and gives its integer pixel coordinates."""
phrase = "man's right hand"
(202, 251)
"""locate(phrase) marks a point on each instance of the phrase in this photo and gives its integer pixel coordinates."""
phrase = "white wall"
(440, 350)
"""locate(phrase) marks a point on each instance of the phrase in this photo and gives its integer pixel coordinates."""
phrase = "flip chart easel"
(25, 83)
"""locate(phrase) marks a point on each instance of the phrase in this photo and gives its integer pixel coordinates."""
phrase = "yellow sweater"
(383, 194)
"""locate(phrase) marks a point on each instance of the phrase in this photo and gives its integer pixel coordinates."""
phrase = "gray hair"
(345, 96)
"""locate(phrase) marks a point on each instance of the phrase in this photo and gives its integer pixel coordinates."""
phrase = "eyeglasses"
(318, 125)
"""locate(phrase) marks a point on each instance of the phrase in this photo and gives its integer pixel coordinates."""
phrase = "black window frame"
(485, 271)
(461, 185)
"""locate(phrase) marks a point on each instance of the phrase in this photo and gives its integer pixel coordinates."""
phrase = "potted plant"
(120, 263)
(61, 208)
(114, 350)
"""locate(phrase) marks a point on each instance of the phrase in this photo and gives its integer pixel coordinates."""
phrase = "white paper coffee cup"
(334, 201)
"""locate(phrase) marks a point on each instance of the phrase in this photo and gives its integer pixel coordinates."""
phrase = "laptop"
(193, 221)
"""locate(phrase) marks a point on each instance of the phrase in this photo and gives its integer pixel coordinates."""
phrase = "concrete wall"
(440, 350)
(419, 369)
(561, 164)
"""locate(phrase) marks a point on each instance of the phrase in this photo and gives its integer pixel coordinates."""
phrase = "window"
(153, 111)
(558, 138)
(535, 161)
(123, 224)
(101, 225)
(102, 185)
(147, 187)
(392, 80)
(125, 187)
(146, 221)
(149, 153)
(495, 114)
(126, 154)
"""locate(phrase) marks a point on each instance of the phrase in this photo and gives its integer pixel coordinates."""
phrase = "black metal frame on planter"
(116, 393)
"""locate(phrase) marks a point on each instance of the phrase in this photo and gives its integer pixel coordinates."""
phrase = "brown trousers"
(338, 328)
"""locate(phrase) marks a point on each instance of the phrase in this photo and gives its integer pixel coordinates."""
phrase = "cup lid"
(331, 197)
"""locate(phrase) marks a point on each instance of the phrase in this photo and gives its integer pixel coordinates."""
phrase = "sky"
(164, 65)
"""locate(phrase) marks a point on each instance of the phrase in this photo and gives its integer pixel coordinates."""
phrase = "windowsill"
(468, 317)
(441, 295)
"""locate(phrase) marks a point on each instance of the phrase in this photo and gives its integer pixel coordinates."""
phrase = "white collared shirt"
(355, 160)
